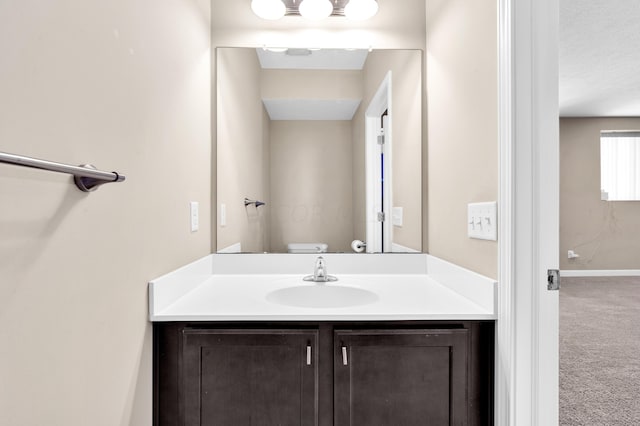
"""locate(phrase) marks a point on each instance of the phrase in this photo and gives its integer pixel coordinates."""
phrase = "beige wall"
(606, 234)
(311, 188)
(462, 126)
(123, 85)
(243, 151)
(311, 84)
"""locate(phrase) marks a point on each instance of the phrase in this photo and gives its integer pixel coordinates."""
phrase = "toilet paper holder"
(358, 246)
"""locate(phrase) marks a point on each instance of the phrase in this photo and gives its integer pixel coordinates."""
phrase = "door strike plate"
(553, 279)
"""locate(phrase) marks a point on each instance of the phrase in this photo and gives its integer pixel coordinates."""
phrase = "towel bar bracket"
(89, 184)
(248, 202)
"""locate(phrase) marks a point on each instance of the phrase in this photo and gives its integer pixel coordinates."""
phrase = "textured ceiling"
(599, 58)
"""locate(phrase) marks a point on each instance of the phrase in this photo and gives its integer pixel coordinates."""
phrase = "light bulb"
(268, 9)
(359, 10)
(315, 9)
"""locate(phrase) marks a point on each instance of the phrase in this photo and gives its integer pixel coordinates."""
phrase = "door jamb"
(380, 102)
(527, 84)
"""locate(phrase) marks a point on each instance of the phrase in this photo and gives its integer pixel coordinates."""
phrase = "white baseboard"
(600, 273)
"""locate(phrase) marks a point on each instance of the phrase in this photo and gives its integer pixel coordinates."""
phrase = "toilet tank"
(307, 247)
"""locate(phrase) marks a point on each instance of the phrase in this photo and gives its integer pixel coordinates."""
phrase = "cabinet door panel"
(401, 377)
(249, 377)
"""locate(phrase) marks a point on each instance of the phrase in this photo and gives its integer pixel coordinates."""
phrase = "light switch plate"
(223, 215)
(482, 221)
(195, 217)
(397, 216)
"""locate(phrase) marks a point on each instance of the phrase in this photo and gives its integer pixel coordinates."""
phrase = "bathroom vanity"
(419, 351)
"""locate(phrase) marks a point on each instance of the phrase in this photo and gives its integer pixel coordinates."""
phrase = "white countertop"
(224, 287)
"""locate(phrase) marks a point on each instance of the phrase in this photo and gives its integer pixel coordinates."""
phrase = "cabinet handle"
(344, 356)
(308, 354)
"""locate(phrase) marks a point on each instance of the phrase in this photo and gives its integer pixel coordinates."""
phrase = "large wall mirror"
(319, 147)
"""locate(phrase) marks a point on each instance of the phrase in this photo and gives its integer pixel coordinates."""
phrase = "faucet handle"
(320, 273)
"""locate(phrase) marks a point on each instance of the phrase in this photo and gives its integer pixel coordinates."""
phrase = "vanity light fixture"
(268, 9)
(315, 9)
(359, 10)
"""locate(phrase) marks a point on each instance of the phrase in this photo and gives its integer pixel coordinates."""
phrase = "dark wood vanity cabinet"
(404, 373)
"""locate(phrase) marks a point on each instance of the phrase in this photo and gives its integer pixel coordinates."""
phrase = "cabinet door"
(400, 377)
(249, 377)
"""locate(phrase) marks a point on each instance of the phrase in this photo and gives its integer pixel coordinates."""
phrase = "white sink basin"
(320, 295)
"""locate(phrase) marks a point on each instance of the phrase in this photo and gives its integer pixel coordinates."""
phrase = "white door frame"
(380, 103)
(527, 326)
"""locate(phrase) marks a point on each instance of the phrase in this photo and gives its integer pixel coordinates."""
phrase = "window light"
(620, 165)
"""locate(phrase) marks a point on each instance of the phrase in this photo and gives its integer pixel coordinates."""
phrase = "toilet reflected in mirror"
(307, 248)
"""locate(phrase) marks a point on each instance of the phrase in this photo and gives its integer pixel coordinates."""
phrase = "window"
(620, 165)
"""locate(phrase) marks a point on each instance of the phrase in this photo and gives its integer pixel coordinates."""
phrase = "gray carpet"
(600, 351)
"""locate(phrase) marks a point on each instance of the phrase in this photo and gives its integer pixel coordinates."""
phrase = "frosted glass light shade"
(268, 9)
(359, 10)
(315, 9)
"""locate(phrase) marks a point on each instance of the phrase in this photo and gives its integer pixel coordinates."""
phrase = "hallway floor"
(600, 351)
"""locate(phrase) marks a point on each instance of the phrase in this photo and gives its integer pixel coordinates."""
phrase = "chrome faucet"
(320, 273)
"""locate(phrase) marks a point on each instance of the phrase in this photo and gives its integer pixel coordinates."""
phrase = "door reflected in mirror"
(330, 140)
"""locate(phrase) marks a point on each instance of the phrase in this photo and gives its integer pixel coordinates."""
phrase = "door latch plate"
(553, 279)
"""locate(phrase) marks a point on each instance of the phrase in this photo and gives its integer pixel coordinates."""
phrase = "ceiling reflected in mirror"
(297, 108)
(312, 59)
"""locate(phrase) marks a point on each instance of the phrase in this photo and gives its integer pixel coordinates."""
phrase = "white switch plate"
(482, 221)
(223, 215)
(195, 218)
(397, 215)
